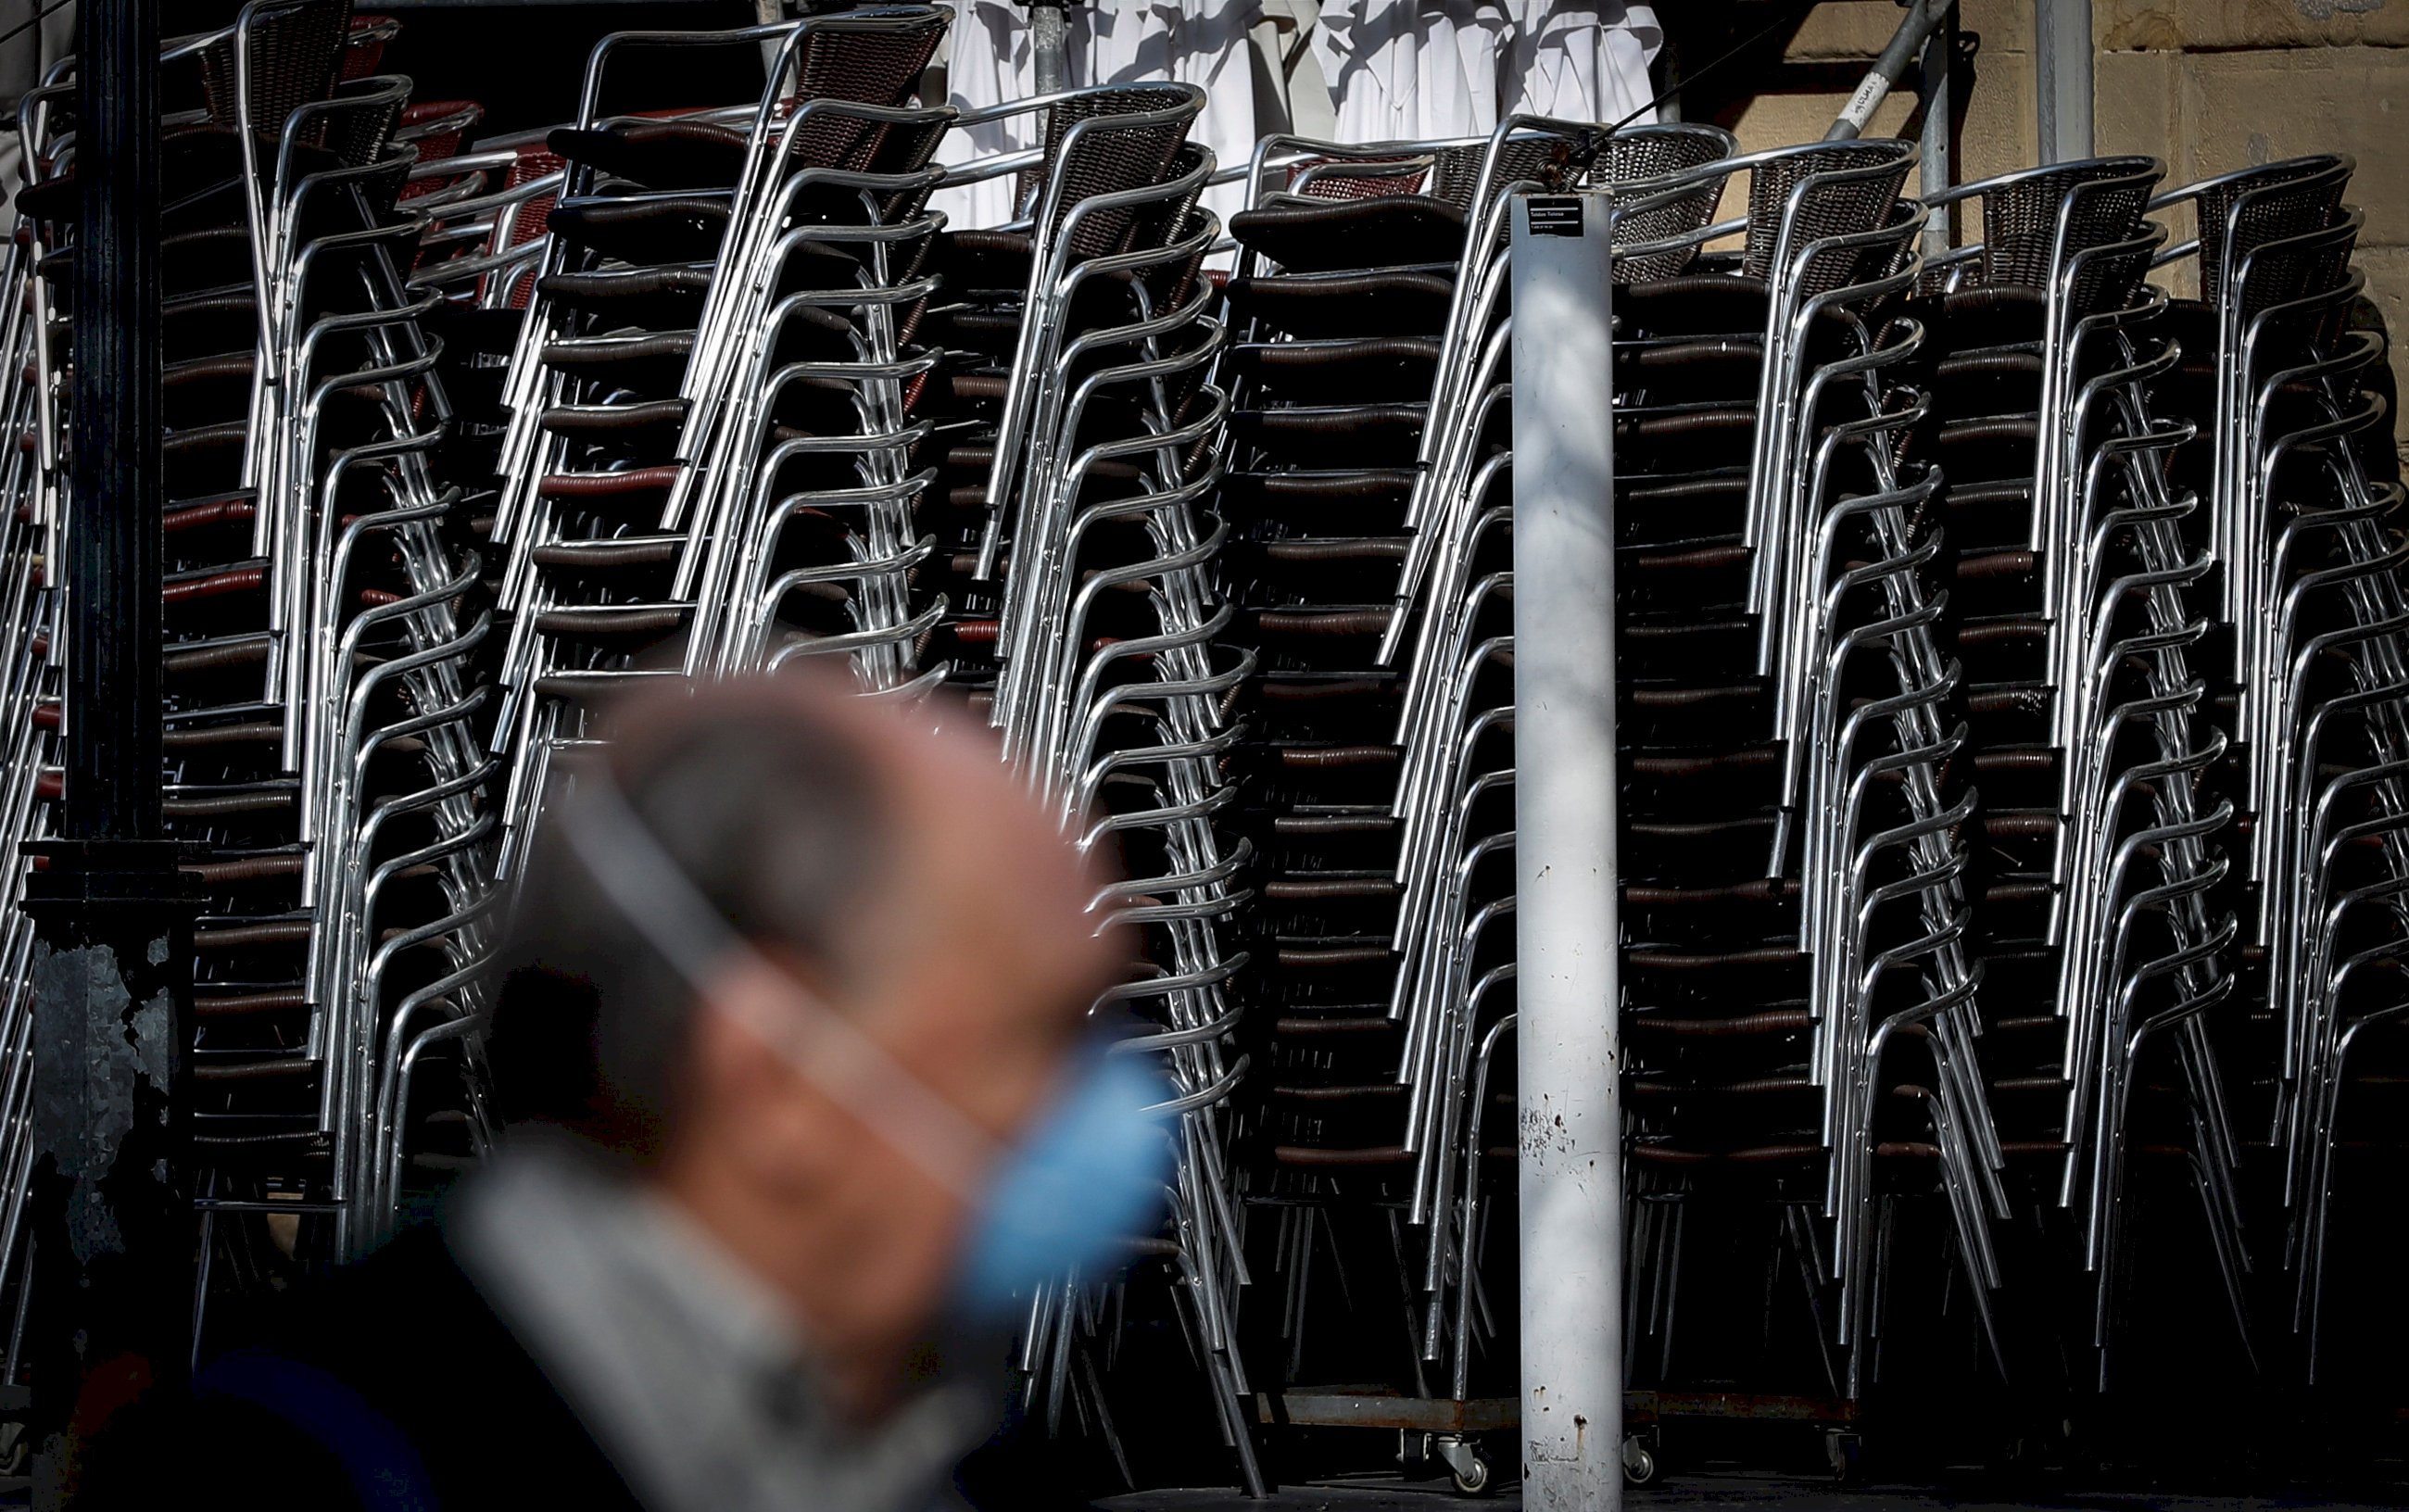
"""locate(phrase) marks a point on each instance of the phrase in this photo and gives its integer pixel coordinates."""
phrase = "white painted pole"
(1570, 1128)
(2062, 58)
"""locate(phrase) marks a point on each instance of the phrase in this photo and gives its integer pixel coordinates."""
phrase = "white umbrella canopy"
(1395, 69)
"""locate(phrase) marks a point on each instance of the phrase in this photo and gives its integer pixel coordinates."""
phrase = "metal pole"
(1937, 169)
(1919, 22)
(111, 1212)
(2062, 75)
(1571, 1137)
(1049, 25)
(113, 552)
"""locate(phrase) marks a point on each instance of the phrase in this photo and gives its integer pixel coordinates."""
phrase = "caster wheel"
(1638, 1461)
(1846, 1452)
(1471, 1477)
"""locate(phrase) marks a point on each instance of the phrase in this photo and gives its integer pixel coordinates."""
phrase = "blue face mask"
(1084, 1178)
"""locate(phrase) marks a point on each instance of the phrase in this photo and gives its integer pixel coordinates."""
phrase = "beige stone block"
(1780, 120)
(2005, 25)
(2193, 24)
(1857, 29)
(2238, 108)
(1999, 133)
(1861, 28)
(2133, 102)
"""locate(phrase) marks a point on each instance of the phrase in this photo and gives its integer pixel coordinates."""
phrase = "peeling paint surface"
(96, 1048)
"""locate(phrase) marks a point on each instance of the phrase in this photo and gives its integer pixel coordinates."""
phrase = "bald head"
(886, 856)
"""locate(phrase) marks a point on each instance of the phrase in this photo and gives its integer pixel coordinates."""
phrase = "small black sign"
(1555, 215)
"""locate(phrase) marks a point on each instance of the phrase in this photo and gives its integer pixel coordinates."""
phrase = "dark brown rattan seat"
(1397, 302)
(1337, 236)
(684, 228)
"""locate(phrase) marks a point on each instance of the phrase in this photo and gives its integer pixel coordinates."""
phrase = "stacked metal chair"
(487, 209)
(707, 378)
(1453, 802)
(31, 485)
(2077, 585)
(324, 722)
(1795, 872)
(2296, 459)
(765, 409)
(1352, 287)
(1079, 443)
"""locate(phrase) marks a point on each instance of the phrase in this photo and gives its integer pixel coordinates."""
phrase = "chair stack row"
(325, 720)
(1797, 908)
(765, 410)
(704, 463)
(2012, 675)
(1800, 1000)
(1080, 443)
(2079, 584)
(1349, 297)
(2295, 455)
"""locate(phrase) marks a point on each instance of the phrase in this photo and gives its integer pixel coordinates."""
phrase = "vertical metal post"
(111, 1215)
(113, 553)
(1936, 166)
(1049, 26)
(2062, 55)
(1569, 1131)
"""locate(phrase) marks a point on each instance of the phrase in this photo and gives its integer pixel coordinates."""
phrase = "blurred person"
(802, 1101)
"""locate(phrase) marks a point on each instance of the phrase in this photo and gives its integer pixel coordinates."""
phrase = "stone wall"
(2207, 85)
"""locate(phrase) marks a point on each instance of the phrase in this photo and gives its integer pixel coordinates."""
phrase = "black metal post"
(113, 556)
(111, 1209)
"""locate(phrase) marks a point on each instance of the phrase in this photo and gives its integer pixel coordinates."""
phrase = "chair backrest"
(1368, 178)
(359, 127)
(2296, 269)
(869, 60)
(1108, 155)
(1639, 152)
(2244, 211)
(527, 220)
(2100, 202)
(1175, 217)
(364, 48)
(1842, 259)
(1455, 177)
(2107, 276)
(1849, 187)
(294, 49)
(438, 128)
(1635, 154)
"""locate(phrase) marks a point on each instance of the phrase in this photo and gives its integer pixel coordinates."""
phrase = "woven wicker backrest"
(1636, 154)
(364, 47)
(2297, 268)
(359, 131)
(294, 54)
(865, 64)
(2100, 202)
(1831, 206)
(2248, 211)
(1108, 158)
(1330, 179)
